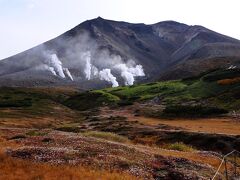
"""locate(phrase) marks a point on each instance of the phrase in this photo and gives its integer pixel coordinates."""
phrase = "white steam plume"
(51, 69)
(95, 71)
(106, 75)
(232, 67)
(67, 72)
(88, 66)
(128, 73)
(54, 65)
(128, 78)
(137, 70)
(57, 65)
(84, 55)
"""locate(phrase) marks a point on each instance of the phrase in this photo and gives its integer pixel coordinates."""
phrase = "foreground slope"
(162, 130)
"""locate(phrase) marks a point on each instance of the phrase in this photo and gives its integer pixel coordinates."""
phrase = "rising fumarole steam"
(53, 64)
(68, 74)
(57, 65)
(129, 73)
(105, 67)
(106, 75)
(88, 67)
(91, 70)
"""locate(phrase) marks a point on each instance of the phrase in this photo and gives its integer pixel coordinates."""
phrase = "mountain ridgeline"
(101, 53)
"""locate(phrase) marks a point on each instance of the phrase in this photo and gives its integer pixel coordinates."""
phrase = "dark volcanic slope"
(164, 50)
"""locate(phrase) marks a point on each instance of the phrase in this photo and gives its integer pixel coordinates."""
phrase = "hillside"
(176, 129)
(216, 89)
(102, 53)
(162, 130)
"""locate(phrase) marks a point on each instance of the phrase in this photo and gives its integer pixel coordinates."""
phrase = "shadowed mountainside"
(166, 50)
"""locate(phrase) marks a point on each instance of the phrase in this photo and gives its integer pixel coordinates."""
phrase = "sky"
(27, 23)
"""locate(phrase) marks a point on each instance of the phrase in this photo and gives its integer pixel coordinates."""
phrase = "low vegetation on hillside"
(90, 100)
(211, 93)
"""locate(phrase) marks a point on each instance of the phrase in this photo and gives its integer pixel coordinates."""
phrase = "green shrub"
(152, 83)
(180, 146)
(90, 100)
(107, 136)
(36, 133)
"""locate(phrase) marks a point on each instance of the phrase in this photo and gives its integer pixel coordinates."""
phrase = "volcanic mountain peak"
(172, 24)
(124, 52)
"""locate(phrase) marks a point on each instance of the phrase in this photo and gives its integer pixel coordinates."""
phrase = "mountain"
(99, 53)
